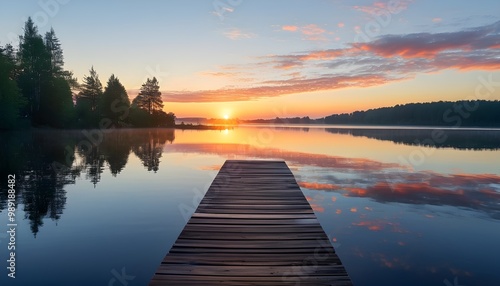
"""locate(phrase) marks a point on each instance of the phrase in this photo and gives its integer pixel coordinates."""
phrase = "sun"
(226, 116)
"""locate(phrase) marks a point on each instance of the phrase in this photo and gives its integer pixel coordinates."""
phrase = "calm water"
(402, 207)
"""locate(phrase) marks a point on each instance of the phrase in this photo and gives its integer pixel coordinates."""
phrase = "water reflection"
(440, 138)
(149, 147)
(475, 192)
(382, 182)
(406, 226)
(39, 187)
(45, 161)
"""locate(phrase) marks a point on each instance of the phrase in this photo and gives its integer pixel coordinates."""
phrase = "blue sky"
(234, 56)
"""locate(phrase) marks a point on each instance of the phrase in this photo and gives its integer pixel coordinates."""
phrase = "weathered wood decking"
(253, 227)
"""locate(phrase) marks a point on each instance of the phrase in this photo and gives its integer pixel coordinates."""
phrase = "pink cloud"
(311, 32)
(379, 8)
(290, 28)
(341, 25)
(437, 20)
(312, 29)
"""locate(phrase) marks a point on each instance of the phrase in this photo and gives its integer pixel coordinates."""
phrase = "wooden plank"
(253, 227)
(237, 259)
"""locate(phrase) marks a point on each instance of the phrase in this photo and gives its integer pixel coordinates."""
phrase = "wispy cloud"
(386, 59)
(222, 10)
(428, 45)
(379, 8)
(276, 88)
(314, 32)
(311, 32)
(233, 75)
(237, 34)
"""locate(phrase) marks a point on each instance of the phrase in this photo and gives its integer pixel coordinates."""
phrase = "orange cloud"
(379, 8)
(311, 32)
(323, 55)
(290, 28)
(384, 60)
(275, 88)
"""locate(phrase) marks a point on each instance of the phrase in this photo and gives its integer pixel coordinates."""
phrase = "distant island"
(473, 113)
(476, 113)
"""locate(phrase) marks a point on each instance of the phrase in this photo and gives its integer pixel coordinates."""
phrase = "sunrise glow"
(322, 61)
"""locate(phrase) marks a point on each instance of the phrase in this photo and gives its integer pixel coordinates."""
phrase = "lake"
(402, 206)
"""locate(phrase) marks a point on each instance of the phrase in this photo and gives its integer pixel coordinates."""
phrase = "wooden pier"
(253, 227)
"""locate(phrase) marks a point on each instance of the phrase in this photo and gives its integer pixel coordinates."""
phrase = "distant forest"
(35, 90)
(478, 113)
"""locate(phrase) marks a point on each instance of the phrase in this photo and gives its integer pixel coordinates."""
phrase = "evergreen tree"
(91, 89)
(88, 99)
(56, 105)
(114, 100)
(34, 62)
(55, 53)
(149, 97)
(11, 100)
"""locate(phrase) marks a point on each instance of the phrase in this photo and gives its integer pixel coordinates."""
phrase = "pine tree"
(34, 63)
(114, 100)
(55, 52)
(149, 97)
(91, 89)
(11, 100)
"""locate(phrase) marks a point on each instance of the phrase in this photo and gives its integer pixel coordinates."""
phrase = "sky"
(265, 59)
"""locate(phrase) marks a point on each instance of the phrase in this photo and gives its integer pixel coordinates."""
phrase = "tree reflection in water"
(45, 161)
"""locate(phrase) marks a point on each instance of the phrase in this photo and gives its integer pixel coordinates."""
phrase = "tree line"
(475, 113)
(36, 90)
